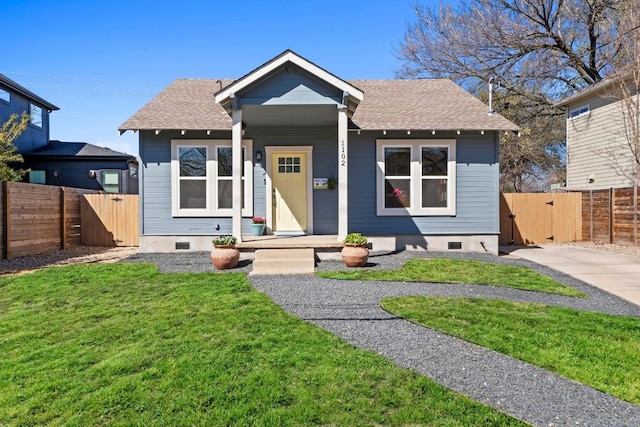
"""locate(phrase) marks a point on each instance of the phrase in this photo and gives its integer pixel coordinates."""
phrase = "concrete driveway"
(615, 273)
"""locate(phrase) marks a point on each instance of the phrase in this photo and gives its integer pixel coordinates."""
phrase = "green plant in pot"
(355, 252)
(225, 255)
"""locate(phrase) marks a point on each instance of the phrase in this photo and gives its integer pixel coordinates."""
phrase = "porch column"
(343, 169)
(236, 154)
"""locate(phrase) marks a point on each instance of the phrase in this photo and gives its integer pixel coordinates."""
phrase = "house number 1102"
(343, 154)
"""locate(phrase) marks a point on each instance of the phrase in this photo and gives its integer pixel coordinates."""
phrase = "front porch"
(326, 243)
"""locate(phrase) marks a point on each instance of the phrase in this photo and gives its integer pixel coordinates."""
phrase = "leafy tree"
(9, 155)
(539, 50)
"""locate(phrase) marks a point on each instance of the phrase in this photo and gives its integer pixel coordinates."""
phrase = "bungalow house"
(600, 130)
(414, 162)
(71, 164)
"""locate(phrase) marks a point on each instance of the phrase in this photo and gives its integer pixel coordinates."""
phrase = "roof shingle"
(426, 104)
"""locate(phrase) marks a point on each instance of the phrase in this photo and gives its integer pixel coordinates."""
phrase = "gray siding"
(477, 190)
(155, 153)
(291, 86)
(597, 146)
(477, 184)
(33, 137)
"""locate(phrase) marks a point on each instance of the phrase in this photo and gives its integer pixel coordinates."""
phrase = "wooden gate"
(540, 218)
(110, 220)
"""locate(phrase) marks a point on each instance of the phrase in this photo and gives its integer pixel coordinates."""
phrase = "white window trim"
(416, 177)
(577, 109)
(211, 209)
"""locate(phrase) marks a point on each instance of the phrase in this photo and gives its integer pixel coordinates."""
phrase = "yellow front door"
(289, 176)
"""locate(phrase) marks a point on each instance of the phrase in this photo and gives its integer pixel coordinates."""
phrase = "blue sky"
(100, 61)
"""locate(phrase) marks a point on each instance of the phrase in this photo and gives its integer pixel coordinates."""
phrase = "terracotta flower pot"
(355, 255)
(225, 257)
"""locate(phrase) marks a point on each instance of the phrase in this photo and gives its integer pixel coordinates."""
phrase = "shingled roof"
(76, 149)
(425, 104)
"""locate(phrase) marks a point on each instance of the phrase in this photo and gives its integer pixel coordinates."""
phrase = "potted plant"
(225, 255)
(257, 226)
(355, 252)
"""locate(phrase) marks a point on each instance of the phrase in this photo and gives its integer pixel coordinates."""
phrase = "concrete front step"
(284, 261)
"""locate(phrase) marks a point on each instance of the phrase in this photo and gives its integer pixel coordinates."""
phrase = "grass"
(123, 345)
(443, 270)
(599, 350)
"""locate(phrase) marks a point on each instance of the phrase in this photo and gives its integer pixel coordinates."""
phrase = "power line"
(89, 89)
(51, 76)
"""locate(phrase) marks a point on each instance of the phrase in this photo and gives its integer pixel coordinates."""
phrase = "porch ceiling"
(290, 115)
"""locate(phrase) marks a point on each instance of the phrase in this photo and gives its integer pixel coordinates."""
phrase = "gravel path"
(351, 310)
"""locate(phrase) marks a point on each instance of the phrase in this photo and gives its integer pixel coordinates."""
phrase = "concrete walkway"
(614, 273)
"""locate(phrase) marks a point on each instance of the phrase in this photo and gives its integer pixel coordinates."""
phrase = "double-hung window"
(202, 178)
(416, 177)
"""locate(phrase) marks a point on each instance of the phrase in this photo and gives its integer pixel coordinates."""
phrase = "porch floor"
(324, 242)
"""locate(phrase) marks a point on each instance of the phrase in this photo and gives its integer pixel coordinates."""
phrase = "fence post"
(635, 213)
(63, 220)
(7, 221)
(591, 215)
(611, 221)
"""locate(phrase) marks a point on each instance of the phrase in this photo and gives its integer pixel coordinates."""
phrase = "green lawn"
(443, 270)
(121, 344)
(600, 350)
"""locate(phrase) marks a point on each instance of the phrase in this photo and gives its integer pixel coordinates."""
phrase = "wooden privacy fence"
(531, 218)
(110, 219)
(38, 218)
(611, 215)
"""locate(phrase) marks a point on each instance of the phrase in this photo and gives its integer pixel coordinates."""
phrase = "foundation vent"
(183, 245)
(455, 245)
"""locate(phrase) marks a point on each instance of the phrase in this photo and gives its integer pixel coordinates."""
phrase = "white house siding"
(596, 147)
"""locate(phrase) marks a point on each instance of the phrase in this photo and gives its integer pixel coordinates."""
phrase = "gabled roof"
(604, 84)
(15, 87)
(287, 57)
(425, 104)
(76, 149)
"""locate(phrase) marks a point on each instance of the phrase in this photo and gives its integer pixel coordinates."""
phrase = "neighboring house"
(15, 99)
(416, 161)
(82, 165)
(71, 164)
(598, 154)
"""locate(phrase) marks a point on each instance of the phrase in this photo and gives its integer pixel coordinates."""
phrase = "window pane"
(4, 95)
(434, 193)
(37, 177)
(225, 161)
(225, 194)
(36, 115)
(397, 161)
(193, 194)
(434, 161)
(397, 193)
(111, 181)
(193, 161)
